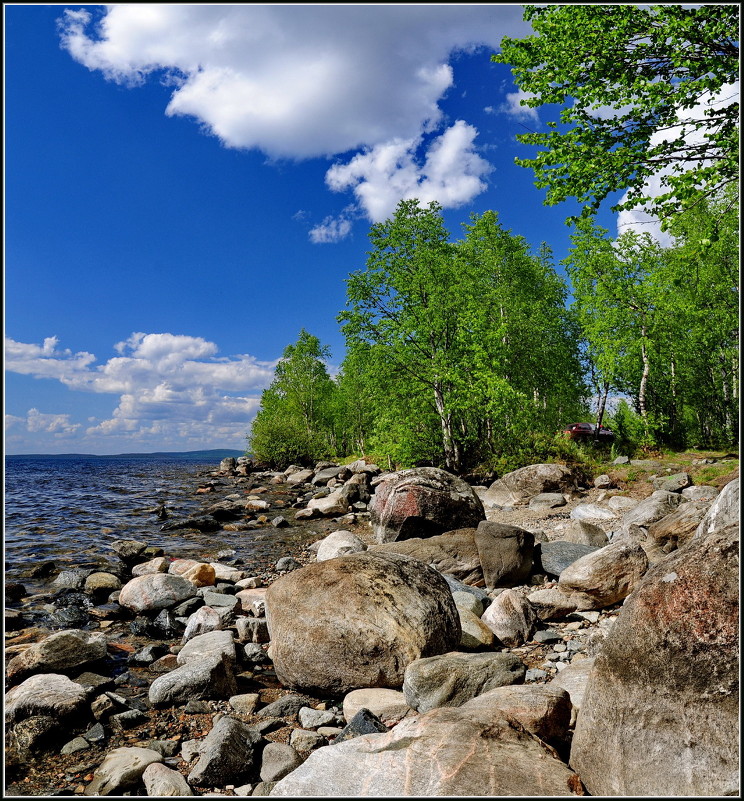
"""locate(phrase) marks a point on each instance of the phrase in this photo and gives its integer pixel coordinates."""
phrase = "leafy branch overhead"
(646, 92)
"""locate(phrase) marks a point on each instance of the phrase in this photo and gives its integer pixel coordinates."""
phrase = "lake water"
(70, 509)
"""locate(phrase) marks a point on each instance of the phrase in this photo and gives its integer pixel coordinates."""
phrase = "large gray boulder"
(505, 552)
(454, 553)
(47, 694)
(723, 512)
(422, 502)
(516, 488)
(121, 770)
(155, 591)
(512, 618)
(663, 695)
(358, 621)
(445, 752)
(60, 652)
(606, 575)
(452, 679)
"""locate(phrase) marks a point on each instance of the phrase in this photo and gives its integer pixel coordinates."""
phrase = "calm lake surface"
(70, 509)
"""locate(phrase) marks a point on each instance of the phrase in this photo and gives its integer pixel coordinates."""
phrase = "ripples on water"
(70, 509)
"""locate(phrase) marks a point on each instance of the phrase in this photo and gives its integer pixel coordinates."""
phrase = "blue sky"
(188, 186)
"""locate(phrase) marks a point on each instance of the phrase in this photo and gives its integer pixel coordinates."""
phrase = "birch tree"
(644, 91)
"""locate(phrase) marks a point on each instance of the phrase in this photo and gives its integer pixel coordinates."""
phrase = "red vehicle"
(585, 432)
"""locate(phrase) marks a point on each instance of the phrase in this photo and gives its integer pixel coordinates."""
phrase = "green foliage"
(616, 305)
(400, 329)
(463, 354)
(629, 430)
(661, 325)
(700, 304)
(459, 348)
(295, 422)
(537, 448)
(628, 79)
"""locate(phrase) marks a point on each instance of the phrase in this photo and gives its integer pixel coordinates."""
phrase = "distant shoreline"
(219, 453)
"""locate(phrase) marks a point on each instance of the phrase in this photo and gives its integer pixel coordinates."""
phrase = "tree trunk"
(726, 391)
(602, 404)
(674, 415)
(644, 379)
(451, 459)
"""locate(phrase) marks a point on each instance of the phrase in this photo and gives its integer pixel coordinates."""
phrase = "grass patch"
(723, 470)
(712, 474)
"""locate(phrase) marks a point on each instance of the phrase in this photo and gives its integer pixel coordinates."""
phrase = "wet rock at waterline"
(49, 694)
(155, 591)
(59, 652)
(121, 770)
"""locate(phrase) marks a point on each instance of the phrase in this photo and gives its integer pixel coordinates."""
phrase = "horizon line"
(134, 453)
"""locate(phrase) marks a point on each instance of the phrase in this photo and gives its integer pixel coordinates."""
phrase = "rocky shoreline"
(458, 627)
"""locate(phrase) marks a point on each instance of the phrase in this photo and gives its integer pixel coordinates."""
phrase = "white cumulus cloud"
(304, 81)
(332, 229)
(451, 173)
(45, 360)
(36, 421)
(640, 220)
(170, 387)
(514, 108)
